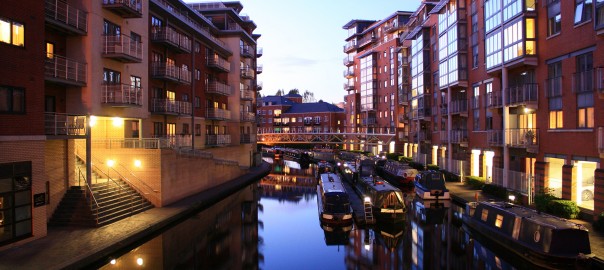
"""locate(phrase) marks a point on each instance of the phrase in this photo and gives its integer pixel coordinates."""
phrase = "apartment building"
(288, 114)
(108, 90)
(514, 93)
(372, 79)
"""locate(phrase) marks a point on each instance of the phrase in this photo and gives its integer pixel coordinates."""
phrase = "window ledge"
(554, 35)
(582, 130)
(582, 23)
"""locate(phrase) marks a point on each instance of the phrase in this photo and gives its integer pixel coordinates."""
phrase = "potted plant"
(529, 136)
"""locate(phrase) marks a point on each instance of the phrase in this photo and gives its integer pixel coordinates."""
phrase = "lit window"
(499, 221)
(50, 50)
(485, 215)
(12, 32)
(586, 117)
(555, 119)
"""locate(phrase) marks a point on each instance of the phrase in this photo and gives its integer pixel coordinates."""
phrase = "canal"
(274, 224)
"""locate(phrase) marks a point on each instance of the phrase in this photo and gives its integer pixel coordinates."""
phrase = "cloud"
(286, 62)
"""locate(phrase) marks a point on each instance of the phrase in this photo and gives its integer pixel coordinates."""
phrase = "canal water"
(274, 224)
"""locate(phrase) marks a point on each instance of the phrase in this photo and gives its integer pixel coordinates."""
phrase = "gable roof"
(314, 107)
(278, 100)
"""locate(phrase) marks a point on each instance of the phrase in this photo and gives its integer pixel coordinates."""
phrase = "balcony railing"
(63, 70)
(248, 117)
(348, 86)
(600, 79)
(475, 102)
(219, 63)
(62, 124)
(246, 51)
(495, 137)
(366, 41)
(246, 95)
(123, 48)
(444, 136)
(348, 73)
(247, 73)
(259, 52)
(122, 95)
(216, 87)
(601, 141)
(459, 136)
(169, 36)
(349, 47)
(459, 107)
(66, 17)
(162, 70)
(348, 61)
(523, 137)
(369, 121)
(217, 140)
(168, 106)
(248, 138)
(125, 8)
(553, 87)
(494, 100)
(218, 114)
(259, 86)
(259, 69)
(525, 94)
(583, 82)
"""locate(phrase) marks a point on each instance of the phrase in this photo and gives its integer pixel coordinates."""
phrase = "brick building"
(129, 90)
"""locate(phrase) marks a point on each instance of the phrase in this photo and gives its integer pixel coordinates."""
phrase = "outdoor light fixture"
(110, 162)
(512, 198)
(137, 163)
(113, 261)
(117, 122)
(92, 120)
(367, 199)
(139, 261)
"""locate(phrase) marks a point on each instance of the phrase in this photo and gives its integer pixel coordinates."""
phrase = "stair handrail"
(88, 192)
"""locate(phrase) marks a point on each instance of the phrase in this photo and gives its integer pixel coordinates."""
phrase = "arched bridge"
(325, 138)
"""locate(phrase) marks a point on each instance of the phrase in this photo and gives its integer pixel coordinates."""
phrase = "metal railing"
(349, 46)
(163, 69)
(459, 167)
(495, 137)
(523, 94)
(248, 138)
(583, 82)
(215, 113)
(89, 195)
(522, 137)
(219, 62)
(259, 69)
(163, 105)
(62, 68)
(600, 78)
(248, 117)
(124, 45)
(553, 87)
(134, 5)
(348, 61)
(494, 99)
(64, 14)
(122, 94)
(459, 136)
(247, 95)
(458, 106)
(475, 102)
(218, 139)
(348, 73)
(444, 136)
(348, 86)
(64, 124)
(171, 36)
(246, 51)
(259, 51)
(247, 73)
(216, 87)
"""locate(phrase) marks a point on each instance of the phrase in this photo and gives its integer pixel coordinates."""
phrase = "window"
(554, 94)
(476, 119)
(111, 29)
(135, 82)
(12, 100)
(555, 119)
(197, 74)
(50, 50)
(111, 76)
(599, 14)
(15, 201)
(197, 47)
(583, 11)
(12, 32)
(554, 19)
(585, 97)
(197, 129)
(197, 102)
(492, 14)
(158, 129)
(493, 49)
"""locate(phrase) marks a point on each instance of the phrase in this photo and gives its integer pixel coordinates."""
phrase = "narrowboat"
(297, 155)
(387, 201)
(323, 167)
(348, 170)
(397, 173)
(545, 240)
(332, 201)
(430, 185)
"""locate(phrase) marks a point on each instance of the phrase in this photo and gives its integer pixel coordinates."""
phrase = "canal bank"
(76, 247)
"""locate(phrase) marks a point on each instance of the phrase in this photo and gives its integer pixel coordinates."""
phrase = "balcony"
(259, 52)
(259, 69)
(61, 124)
(494, 100)
(246, 51)
(218, 114)
(523, 138)
(403, 118)
(444, 136)
(424, 114)
(172, 38)
(259, 86)
(369, 121)
(366, 41)
(601, 141)
(125, 8)
(247, 73)
(248, 117)
(122, 95)
(459, 136)
(459, 107)
(349, 47)
(59, 69)
(394, 27)
(247, 138)
(495, 137)
(524, 94)
(216, 87)
(218, 140)
(583, 82)
(171, 107)
(123, 48)
(348, 86)
(600, 81)
(348, 61)
(170, 72)
(348, 74)
(424, 136)
(247, 95)
(65, 18)
(219, 63)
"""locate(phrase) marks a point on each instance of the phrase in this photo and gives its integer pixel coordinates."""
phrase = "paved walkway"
(76, 247)
(463, 194)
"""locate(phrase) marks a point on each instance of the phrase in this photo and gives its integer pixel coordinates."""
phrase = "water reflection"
(274, 224)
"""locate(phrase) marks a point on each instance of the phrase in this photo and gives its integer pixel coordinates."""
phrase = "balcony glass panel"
(492, 14)
(493, 50)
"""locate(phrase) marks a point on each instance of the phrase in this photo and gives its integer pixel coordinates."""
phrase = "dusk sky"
(303, 40)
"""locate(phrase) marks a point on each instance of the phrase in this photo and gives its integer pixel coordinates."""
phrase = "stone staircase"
(113, 200)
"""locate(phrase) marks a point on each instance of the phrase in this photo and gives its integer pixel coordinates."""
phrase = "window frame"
(10, 38)
(11, 99)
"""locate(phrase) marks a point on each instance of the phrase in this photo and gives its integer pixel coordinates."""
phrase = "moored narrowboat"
(397, 173)
(323, 167)
(545, 240)
(387, 201)
(430, 185)
(332, 201)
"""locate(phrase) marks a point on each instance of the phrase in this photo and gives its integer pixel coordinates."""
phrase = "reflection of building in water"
(378, 248)
(428, 236)
(289, 182)
(224, 236)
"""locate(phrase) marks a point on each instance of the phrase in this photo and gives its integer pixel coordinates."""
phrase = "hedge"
(563, 208)
(433, 167)
(475, 182)
(497, 191)
(416, 165)
(405, 159)
(599, 223)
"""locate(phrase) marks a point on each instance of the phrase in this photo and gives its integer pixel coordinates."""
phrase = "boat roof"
(531, 214)
(331, 182)
(382, 186)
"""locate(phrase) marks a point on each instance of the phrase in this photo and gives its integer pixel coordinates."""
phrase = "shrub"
(405, 159)
(599, 223)
(542, 200)
(475, 182)
(563, 208)
(433, 167)
(497, 191)
(416, 165)
(393, 156)
(449, 176)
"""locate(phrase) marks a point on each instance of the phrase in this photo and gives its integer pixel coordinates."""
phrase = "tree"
(279, 92)
(308, 97)
(294, 91)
